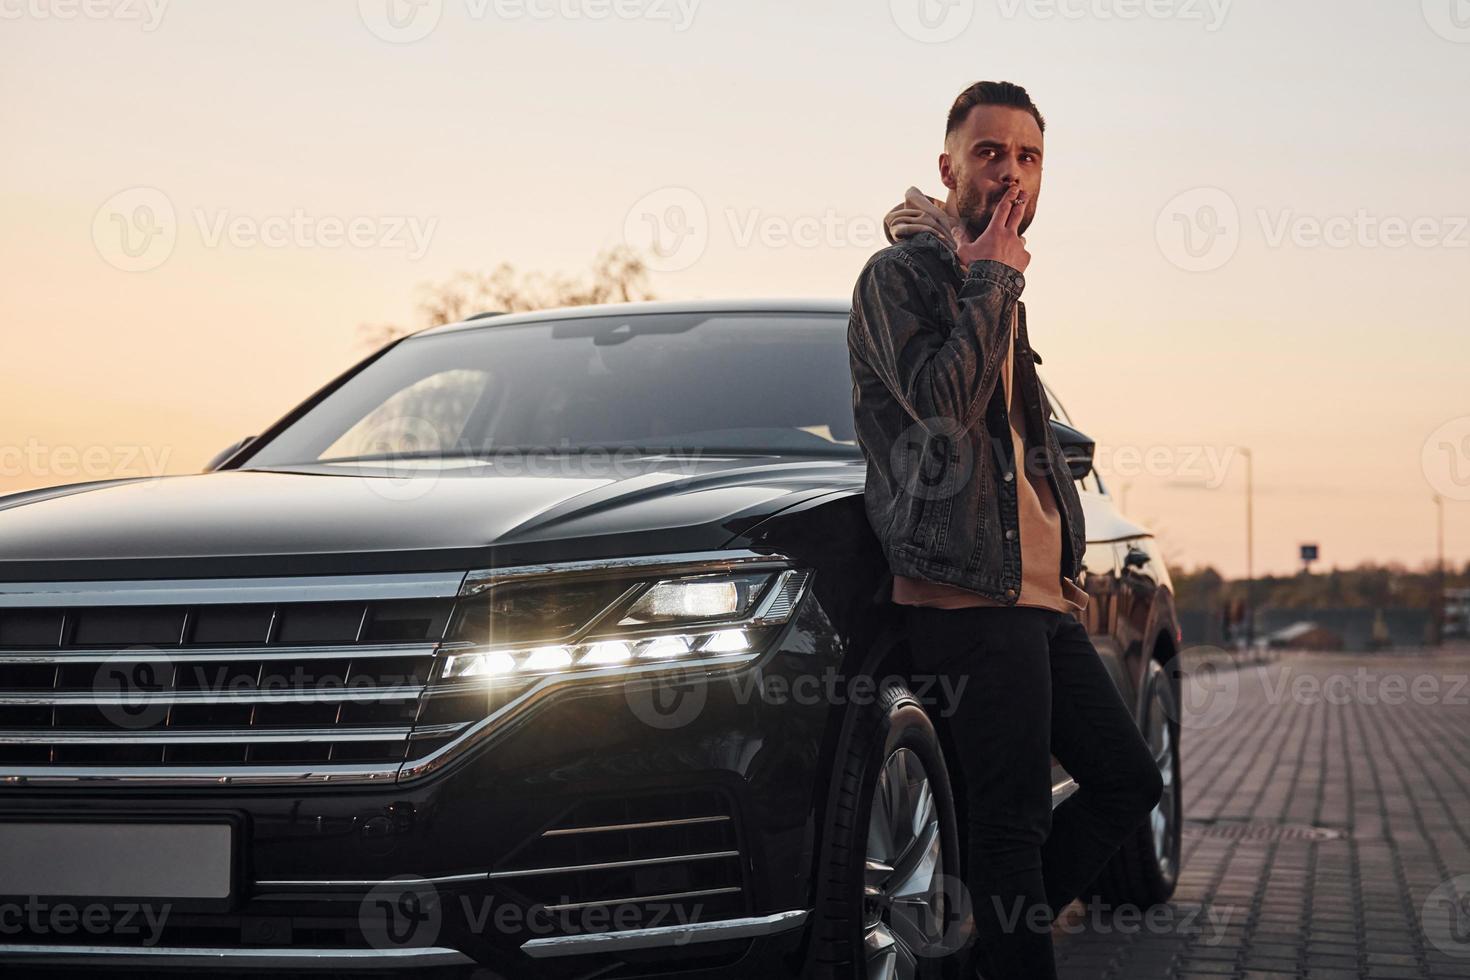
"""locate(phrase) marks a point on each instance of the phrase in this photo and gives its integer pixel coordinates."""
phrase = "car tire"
(1145, 868)
(870, 922)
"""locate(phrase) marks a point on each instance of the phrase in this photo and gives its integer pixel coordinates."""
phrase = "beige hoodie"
(1042, 584)
(920, 212)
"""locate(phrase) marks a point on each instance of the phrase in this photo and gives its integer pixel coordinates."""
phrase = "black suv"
(545, 645)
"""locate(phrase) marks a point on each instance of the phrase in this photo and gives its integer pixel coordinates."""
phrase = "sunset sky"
(1252, 232)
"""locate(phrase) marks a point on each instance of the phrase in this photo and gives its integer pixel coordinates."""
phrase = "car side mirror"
(1077, 449)
(224, 455)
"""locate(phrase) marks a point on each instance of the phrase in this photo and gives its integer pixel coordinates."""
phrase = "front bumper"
(593, 835)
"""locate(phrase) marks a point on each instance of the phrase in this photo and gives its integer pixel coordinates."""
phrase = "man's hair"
(990, 93)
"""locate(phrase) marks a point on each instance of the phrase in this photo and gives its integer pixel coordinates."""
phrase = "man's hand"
(1001, 240)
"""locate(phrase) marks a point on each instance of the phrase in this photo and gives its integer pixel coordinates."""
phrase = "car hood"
(443, 515)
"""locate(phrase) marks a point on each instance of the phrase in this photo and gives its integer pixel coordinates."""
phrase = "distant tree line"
(618, 275)
(1368, 586)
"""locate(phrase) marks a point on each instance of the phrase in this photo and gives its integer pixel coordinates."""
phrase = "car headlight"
(599, 624)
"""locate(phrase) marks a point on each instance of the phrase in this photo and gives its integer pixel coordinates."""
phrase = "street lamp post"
(1439, 571)
(1250, 552)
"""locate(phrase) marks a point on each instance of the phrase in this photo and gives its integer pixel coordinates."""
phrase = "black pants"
(1034, 687)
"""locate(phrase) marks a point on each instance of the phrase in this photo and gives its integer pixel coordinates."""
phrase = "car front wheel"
(890, 868)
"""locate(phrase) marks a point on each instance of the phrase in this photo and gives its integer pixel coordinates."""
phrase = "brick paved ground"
(1327, 797)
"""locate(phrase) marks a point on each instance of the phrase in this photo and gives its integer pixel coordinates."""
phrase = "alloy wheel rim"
(904, 905)
(1162, 819)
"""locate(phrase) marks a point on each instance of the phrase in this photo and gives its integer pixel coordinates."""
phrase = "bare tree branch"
(618, 275)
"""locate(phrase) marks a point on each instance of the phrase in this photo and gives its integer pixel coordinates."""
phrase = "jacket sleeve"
(935, 370)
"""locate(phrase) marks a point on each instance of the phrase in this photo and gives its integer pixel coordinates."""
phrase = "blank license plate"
(117, 860)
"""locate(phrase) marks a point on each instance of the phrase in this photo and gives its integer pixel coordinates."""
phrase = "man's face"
(997, 149)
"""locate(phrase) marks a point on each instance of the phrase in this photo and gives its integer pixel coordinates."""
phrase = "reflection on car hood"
(578, 507)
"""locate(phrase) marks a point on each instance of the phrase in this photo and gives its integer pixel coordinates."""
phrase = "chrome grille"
(317, 679)
(253, 679)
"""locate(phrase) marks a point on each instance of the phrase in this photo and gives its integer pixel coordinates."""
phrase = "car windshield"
(653, 382)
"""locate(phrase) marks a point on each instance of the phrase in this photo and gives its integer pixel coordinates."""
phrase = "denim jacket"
(926, 343)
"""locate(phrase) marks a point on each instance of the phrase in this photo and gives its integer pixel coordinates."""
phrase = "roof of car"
(836, 306)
